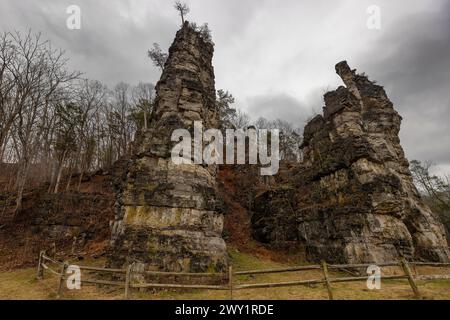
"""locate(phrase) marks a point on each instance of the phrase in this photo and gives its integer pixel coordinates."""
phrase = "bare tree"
(158, 57)
(120, 122)
(290, 141)
(142, 96)
(241, 120)
(437, 188)
(39, 78)
(90, 96)
(9, 92)
(54, 124)
(182, 8)
(290, 138)
(68, 116)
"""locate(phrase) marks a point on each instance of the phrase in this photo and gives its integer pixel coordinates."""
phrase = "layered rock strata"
(353, 199)
(168, 215)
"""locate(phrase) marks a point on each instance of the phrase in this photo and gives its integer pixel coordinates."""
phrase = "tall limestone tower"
(167, 217)
(352, 199)
(369, 209)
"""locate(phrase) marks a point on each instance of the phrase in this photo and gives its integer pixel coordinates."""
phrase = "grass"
(21, 284)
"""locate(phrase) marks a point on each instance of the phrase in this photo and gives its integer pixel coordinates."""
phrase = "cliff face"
(74, 222)
(353, 199)
(167, 214)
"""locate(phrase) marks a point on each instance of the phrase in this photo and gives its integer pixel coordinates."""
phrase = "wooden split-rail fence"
(47, 263)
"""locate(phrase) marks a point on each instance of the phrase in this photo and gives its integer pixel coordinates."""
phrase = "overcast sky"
(276, 57)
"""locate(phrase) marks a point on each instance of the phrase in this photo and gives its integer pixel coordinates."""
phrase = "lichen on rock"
(167, 214)
(354, 200)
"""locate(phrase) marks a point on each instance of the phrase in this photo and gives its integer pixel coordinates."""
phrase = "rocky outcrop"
(167, 214)
(353, 199)
(71, 223)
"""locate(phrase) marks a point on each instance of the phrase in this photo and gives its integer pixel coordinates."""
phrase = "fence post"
(327, 280)
(230, 281)
(412, 282)
(416, 272)
(74, 243)
(40, 270)
(53, 250)
(128, 280)
(61, 279)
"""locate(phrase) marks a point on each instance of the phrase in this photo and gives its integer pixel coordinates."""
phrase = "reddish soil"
(237, 225)
(51, 221)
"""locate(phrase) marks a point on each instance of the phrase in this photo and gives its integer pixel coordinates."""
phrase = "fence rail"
(231, 286)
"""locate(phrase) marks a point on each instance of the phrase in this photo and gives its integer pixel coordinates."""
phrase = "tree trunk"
(22, 178)
(79, 181)
(80, 169)
(2, 152)
(145, 120)
(58, 179)
(69, 179)
(60, 170)
(52, 177)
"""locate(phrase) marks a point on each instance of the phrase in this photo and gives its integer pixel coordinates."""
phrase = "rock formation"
(353, 199)
(167, 215)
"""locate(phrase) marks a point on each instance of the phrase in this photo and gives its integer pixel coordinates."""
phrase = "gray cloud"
(413, 63)
(282, 106)
(277, 58)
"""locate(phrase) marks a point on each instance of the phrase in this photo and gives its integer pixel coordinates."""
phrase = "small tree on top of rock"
(183, 9)
(158, 57)
(205, 33)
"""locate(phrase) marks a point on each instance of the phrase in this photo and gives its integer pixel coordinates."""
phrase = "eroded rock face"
(167, 217)
(354, 199)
